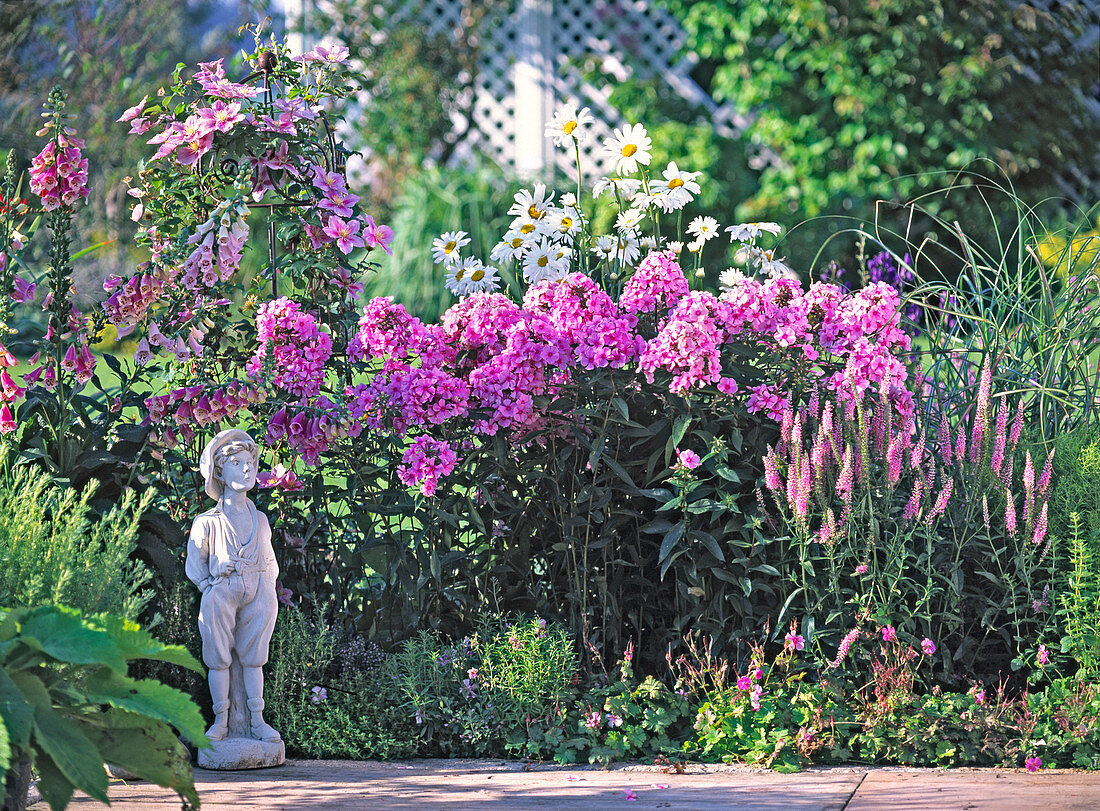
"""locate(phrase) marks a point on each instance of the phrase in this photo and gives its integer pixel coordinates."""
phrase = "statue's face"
(239, 472)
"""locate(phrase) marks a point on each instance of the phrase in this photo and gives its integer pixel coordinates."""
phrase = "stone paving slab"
(476, 784)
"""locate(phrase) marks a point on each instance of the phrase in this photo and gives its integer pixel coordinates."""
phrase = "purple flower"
(1033, 764)
(744, 683)
(928, 646)
(614, 721)
(795, 641)
(319, 695)
(1043, 656)
(24, 290)
(592, 720)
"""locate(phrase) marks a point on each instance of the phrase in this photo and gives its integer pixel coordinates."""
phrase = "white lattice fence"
(534, 57)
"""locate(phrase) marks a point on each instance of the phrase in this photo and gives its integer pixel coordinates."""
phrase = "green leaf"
(90, 248)
(136, 643)
(56, 789)
(669, 541)
(75, 756)
(64, 635)
(149, 749)
(16, 714)
(150, 698)
(709, 541)
(679, 428)
(5, 748)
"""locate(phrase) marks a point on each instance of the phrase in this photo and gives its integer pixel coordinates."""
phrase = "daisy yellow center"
(675, 183)
(477, 275)
(459, 274)
(543, 261)
(517, 242)
(450, 246)
(566, 223)
(569, 127)
(629, 150)
(526, 228)
(535, 213)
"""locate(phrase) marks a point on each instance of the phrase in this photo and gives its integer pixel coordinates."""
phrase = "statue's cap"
(210, 453)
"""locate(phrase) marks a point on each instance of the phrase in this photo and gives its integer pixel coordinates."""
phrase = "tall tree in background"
(853, 101)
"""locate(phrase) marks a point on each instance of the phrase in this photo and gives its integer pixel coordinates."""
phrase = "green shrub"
(326, 705)
(68, 705)
(51, 551)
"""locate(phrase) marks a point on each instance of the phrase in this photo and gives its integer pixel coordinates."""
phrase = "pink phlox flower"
(687, 459)
(425, 462)
(656, 285)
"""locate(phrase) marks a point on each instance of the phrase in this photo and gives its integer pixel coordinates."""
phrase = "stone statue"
(230, 559)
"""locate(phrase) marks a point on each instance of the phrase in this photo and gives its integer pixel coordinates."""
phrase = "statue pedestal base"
(234, 754)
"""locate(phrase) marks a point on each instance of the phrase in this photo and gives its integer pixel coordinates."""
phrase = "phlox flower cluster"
(294, 345)
(59, 173)
(179, 413)
(425, 461)
(688, 345)
(655, 285)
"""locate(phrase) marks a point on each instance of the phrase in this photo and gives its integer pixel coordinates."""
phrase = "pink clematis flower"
(345, 233)
(377, 235)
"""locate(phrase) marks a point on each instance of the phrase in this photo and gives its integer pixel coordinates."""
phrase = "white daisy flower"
(679, 188)
(627, 250)
(623, 186)
(569, 122)
(629, 147)
(703, 228)
(766, 262)
(730, 278)
(531, 205)
(511, 247)
(446, 248)
(747, 231)
(544, 260)
(569, 200)
(475, 277)
(455, 278)
(648, 243)
(564, 222)
(628, 220)
(676, 247)
(605, 247)
(696, 245)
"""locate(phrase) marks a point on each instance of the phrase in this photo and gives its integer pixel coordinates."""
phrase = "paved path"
(434, 785)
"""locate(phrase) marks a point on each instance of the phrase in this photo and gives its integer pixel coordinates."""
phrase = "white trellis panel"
(534, 57)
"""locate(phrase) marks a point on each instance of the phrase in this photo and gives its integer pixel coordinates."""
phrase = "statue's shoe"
(263, 731)
(220, 728)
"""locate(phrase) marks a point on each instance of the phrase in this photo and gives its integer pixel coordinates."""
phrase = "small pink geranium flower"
(1033, 764)
(795, 641)
(889, 634)
(630, 795)
(1043, 656)
(928, 646)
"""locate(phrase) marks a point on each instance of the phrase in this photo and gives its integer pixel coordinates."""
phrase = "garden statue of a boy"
(230, 559)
